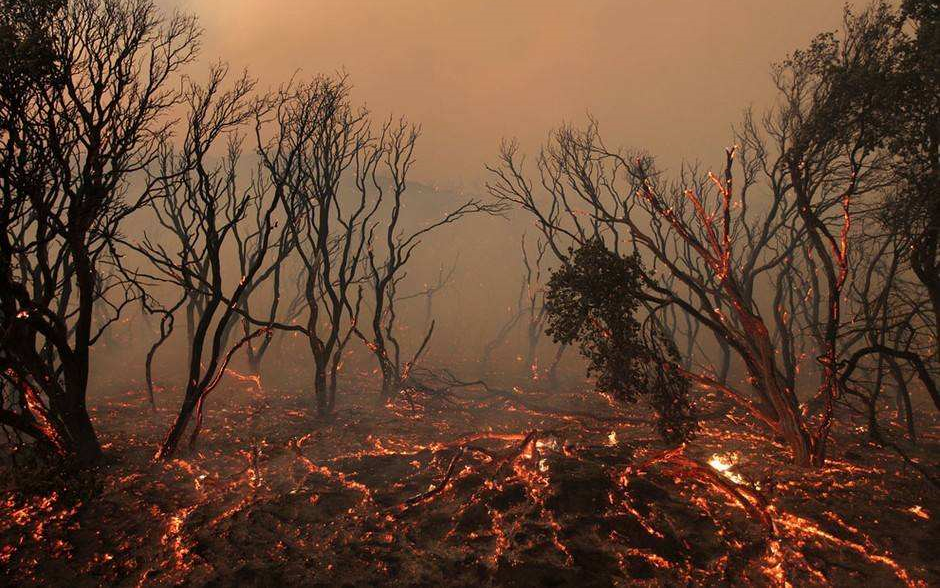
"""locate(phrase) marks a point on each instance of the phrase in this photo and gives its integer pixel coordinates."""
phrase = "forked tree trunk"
(391, 380)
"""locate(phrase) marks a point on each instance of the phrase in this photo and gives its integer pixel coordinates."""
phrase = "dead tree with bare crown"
(84, 101)
(815, 160)
(390, 248)
(592, 192)
(208, 191)
(323, 158)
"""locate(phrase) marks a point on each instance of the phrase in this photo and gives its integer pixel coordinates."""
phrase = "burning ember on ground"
(299, 331)
(724, 464)
(438, 497)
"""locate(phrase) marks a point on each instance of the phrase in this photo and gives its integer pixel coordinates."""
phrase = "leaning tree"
(209, 195)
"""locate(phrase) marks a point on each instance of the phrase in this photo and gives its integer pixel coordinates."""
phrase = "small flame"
(919, 512)
(719, 462)
(547, 442)
(722, 463)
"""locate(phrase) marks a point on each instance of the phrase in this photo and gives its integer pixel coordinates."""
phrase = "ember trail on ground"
(478, 491)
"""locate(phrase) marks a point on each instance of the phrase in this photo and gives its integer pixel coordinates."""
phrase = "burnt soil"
(538, 490)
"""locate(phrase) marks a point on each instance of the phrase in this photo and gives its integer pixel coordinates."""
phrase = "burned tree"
(578, 170)
(390, 248)
(86, 89)
(814, 155)
(214, 201)
(901, 89)
(883, 82)
(884, 334)
(322, 160)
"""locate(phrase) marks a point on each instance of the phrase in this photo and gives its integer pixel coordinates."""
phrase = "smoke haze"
(669, 77)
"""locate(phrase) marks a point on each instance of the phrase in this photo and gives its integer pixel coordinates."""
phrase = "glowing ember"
(529, 491)
(723, 463)
(919, 512)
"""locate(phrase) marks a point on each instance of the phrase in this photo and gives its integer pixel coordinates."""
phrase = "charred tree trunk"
(320, 387)
(391, 381)
(77, 431)
(175, 434)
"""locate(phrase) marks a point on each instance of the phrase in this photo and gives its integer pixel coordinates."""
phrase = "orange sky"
(669, 76)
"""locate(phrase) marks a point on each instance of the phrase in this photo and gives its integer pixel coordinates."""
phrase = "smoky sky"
(666, 76)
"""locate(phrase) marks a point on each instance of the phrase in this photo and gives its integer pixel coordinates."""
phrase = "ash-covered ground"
(479, 489)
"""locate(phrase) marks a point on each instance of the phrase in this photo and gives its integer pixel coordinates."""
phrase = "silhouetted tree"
(323, 159)
(213, 204)
(577, 170)
(390, 248)
(86, 88)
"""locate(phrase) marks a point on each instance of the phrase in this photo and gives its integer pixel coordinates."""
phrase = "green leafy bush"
(592, 300)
